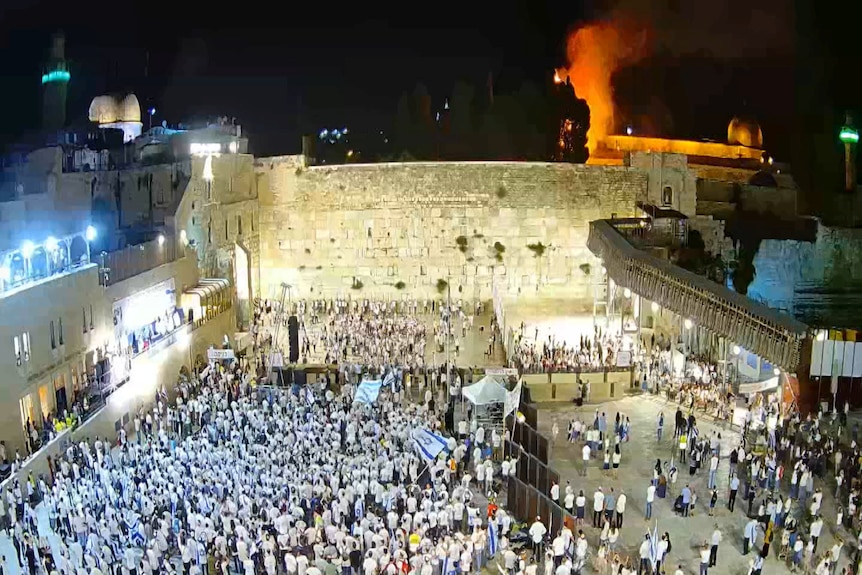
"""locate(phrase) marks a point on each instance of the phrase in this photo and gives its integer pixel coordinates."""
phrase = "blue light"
(91, 233)
(56, 76)
(152, 111)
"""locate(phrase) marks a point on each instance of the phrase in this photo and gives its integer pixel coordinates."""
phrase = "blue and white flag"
(391, 379)
(653, 546)
(492, 536)
(136, 534)
(428, 444)
(368, 391)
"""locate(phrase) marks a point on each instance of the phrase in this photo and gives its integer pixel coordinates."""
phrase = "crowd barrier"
(528, 492)
(565, 386)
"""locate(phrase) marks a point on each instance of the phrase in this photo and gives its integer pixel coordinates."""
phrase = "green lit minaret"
(55, 79)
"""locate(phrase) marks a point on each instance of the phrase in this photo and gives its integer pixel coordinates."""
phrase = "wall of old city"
(815, 281)
(396, 230)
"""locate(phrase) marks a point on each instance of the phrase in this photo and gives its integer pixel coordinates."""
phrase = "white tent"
(486, 390)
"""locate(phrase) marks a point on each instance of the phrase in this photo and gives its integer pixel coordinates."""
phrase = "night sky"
(281, 66)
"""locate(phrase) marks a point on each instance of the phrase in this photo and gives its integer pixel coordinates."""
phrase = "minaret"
(55, 79)
(849, 137)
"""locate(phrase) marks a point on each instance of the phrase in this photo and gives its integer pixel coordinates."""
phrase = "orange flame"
(594, 53)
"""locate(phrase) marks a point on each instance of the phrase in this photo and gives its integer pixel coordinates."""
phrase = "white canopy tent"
(487, 390)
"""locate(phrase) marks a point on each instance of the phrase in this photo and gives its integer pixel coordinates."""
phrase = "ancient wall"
(819, 282)
(668, 171)
(398, 229)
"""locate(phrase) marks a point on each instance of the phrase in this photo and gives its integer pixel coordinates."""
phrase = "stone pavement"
(638, 459)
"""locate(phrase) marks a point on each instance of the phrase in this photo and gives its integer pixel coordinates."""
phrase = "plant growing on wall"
(357, 284)
(585, 268)
(442, 285)
(400, 285)
(461, 242)
(501, 191)
(499, 250)
(301, 268)
(537, 249)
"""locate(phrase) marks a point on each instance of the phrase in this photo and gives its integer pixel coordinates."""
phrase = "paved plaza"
(638, 459)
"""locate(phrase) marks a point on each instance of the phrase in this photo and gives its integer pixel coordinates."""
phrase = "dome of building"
(103, 110)
(109, 109)
(131, 109)
(745, 132)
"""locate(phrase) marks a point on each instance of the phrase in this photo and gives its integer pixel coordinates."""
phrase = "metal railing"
(133, 260)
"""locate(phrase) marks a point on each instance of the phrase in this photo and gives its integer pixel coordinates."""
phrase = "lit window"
(17, 344)
(667, 196)
(26, 338)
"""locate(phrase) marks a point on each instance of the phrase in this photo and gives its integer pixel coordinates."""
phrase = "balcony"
(33, 264)
(133, 260)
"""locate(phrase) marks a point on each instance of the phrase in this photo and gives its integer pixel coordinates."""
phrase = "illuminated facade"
(55, 79)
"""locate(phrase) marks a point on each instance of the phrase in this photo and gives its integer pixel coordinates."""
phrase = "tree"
(569, 125)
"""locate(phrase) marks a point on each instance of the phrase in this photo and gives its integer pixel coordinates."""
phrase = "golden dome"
(745, 132)
(103, 110)
(108, 109)
(131, 109)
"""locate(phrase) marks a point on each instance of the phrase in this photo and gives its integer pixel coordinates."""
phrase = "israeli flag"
(390, 380)
(492, 536)
(136, 534)
(653, 546)
(428, 444)
(368, 391)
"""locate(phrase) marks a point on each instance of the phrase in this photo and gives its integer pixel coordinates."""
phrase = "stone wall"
(819, 282)
(397, 229)
(668, 171)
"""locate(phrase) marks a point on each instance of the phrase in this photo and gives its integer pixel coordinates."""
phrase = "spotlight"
(161, 240)
(687, 323)
(51, 244)
(776, 371)
(27, 249)
(654, 307)
(737, 350)
(91, 233)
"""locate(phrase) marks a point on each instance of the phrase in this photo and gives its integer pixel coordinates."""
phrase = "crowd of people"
(235, 478)
(589, 353)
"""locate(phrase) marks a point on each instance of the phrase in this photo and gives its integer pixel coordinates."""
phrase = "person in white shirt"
(650, 497)
(537, 536)
(555, 492)
(598, 507)
(704, 559)
(644, 554)
(713, 549)
(585, 455)
(621, 509)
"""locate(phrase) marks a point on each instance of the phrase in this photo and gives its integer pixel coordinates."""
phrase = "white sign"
(501, 371)
(219, 354)
(624, 359)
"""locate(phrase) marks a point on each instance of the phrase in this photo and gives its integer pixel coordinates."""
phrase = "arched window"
(667, 196)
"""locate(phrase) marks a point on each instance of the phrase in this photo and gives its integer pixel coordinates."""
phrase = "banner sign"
(507, 371)
(220, 354)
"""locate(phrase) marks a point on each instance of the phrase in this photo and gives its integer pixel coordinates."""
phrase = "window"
(225, 230)
(61, 330)
(53, 336)
(209, 191)
(26, 338)
(253, 216)
(239, 225)
(210, 231)
(84, 310)
(17, 345)
(667, 196)
(92, 325)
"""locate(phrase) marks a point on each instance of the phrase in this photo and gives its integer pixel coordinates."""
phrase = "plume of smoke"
(594, 52)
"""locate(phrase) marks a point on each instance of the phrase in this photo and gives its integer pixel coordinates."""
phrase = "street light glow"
(27, 249)
(687, 323)
(161, 240)
(51, 244)
(91, 233)
(736, 350)
(776, 371)
(848, 135)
